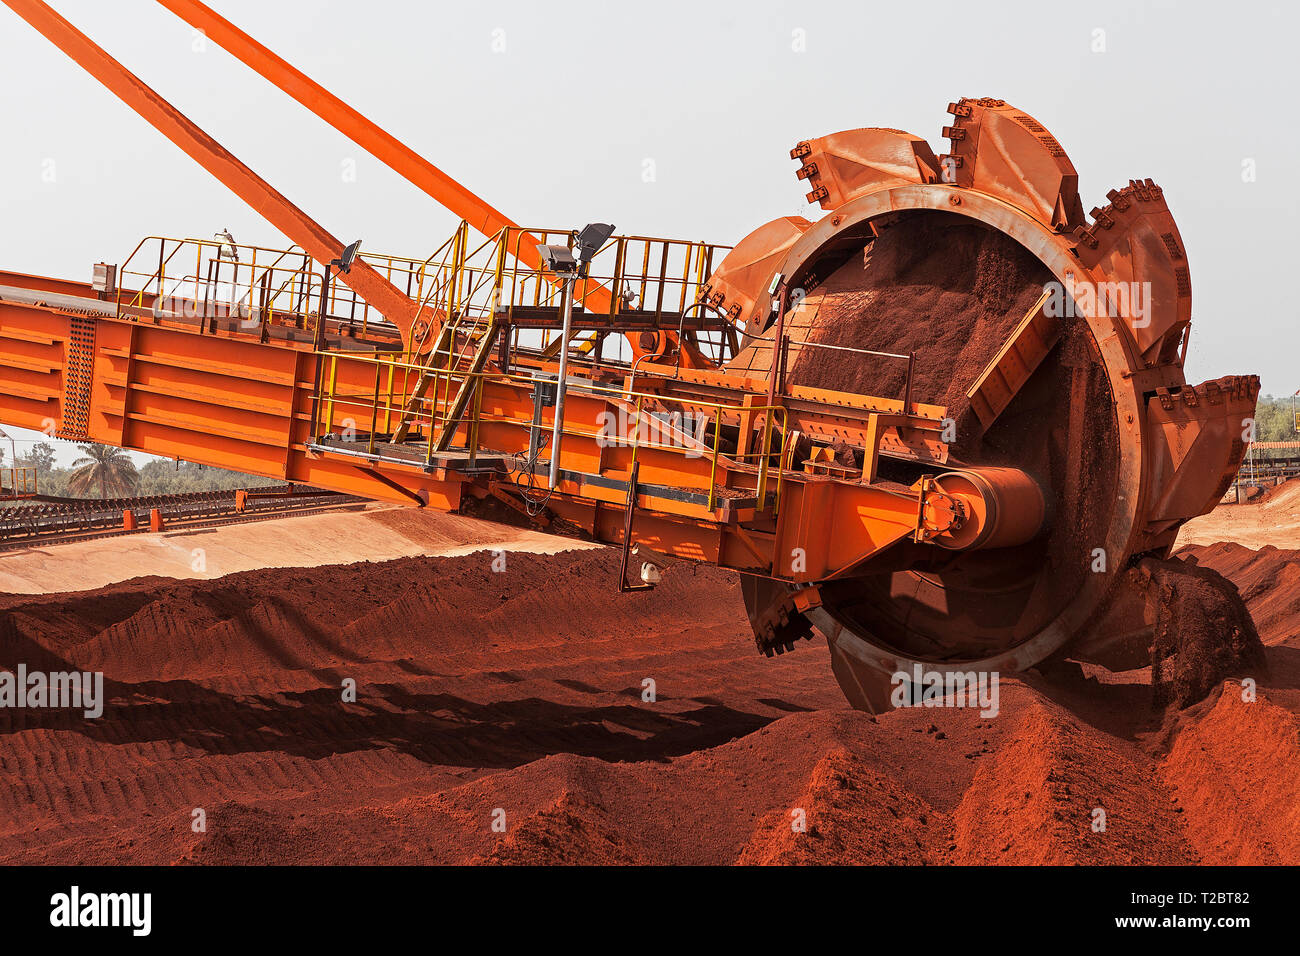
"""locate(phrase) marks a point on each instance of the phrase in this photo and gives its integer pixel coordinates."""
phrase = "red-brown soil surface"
(521, 692)
(1273, 519)
(372, 532)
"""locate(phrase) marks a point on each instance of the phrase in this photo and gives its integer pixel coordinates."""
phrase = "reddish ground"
(521, 692)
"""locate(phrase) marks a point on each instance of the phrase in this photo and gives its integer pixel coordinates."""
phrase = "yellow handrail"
(431, 409)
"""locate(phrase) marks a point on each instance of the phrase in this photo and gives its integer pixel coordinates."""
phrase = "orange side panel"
(229, 403)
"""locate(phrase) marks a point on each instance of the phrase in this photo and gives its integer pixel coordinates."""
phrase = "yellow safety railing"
(250, 283)
(388, 401)
(640, 273)
(463, 280)
(213, 276)
(20, 481)
(402, 273)
(456, 288)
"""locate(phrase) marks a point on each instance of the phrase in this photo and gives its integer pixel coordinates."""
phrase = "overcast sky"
(557, 112)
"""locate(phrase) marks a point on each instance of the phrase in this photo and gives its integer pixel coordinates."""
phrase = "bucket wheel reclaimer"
(1086, 393)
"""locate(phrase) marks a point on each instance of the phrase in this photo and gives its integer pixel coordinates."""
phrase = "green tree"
(162, 476)
(110, 468)
(41, 457)
(1274, 419)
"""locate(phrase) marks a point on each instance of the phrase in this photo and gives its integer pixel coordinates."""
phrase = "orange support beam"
(213, 157)
(381, 144)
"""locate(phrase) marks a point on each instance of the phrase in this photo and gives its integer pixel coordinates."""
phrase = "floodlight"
(591, 238)
(558, 259)
(348, 256)
(226, 245)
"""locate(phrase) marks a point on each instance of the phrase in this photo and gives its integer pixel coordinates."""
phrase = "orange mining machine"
(943, 422)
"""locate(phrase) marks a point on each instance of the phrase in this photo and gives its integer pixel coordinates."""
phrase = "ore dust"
(525, 693)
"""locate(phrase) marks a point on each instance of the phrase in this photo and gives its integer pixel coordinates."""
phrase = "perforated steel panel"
(77, 378)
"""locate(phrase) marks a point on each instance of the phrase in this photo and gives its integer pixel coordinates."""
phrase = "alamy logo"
(925, 688)
(74, 908)
(221, 305)
(657, 429)
(57, 689)
(1071, 299)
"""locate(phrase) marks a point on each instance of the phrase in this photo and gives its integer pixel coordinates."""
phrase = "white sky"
(556, 128)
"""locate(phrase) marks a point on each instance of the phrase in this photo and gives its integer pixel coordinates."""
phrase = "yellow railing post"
(713, 468)
(476, 412)
(329, 412)
(767, 452)
(374, 413)
(388, 405)
(636, 428)
(787, 460)
(428, 456)
(686, 276)
(616, 292)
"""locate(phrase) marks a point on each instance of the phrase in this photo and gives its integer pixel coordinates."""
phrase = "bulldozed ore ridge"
(523, 692)
(1203, 631)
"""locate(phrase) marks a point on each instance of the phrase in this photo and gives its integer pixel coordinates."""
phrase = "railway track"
(48, 519)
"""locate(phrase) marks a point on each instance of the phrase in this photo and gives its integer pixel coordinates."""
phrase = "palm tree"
(109, 467)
